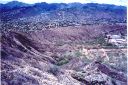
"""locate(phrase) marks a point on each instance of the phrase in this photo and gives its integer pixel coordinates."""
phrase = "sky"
(116, 2)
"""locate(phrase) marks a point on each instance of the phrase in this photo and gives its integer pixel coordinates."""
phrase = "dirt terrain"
(60, 57)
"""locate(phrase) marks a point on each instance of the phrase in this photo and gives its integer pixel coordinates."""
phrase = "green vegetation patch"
(62, 61)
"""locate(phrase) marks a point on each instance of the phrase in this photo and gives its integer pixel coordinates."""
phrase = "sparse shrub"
(54, 70)
(110, 45)
(78, 54)
(62, 62)
(86, 60)
(100, 40)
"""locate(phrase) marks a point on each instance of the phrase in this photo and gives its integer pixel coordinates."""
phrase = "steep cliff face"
(53, 56)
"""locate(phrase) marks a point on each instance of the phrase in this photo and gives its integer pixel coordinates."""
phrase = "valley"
(63, 44)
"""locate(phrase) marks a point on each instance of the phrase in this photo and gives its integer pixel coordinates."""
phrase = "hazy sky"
(116, 2)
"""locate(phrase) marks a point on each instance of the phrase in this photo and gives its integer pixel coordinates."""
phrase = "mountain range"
(53, 6)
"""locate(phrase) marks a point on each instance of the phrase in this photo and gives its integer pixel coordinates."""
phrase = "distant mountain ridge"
(44, 7)
(17, 4)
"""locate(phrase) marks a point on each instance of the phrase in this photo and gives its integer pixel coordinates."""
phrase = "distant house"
(115, 36)
(116, 40)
